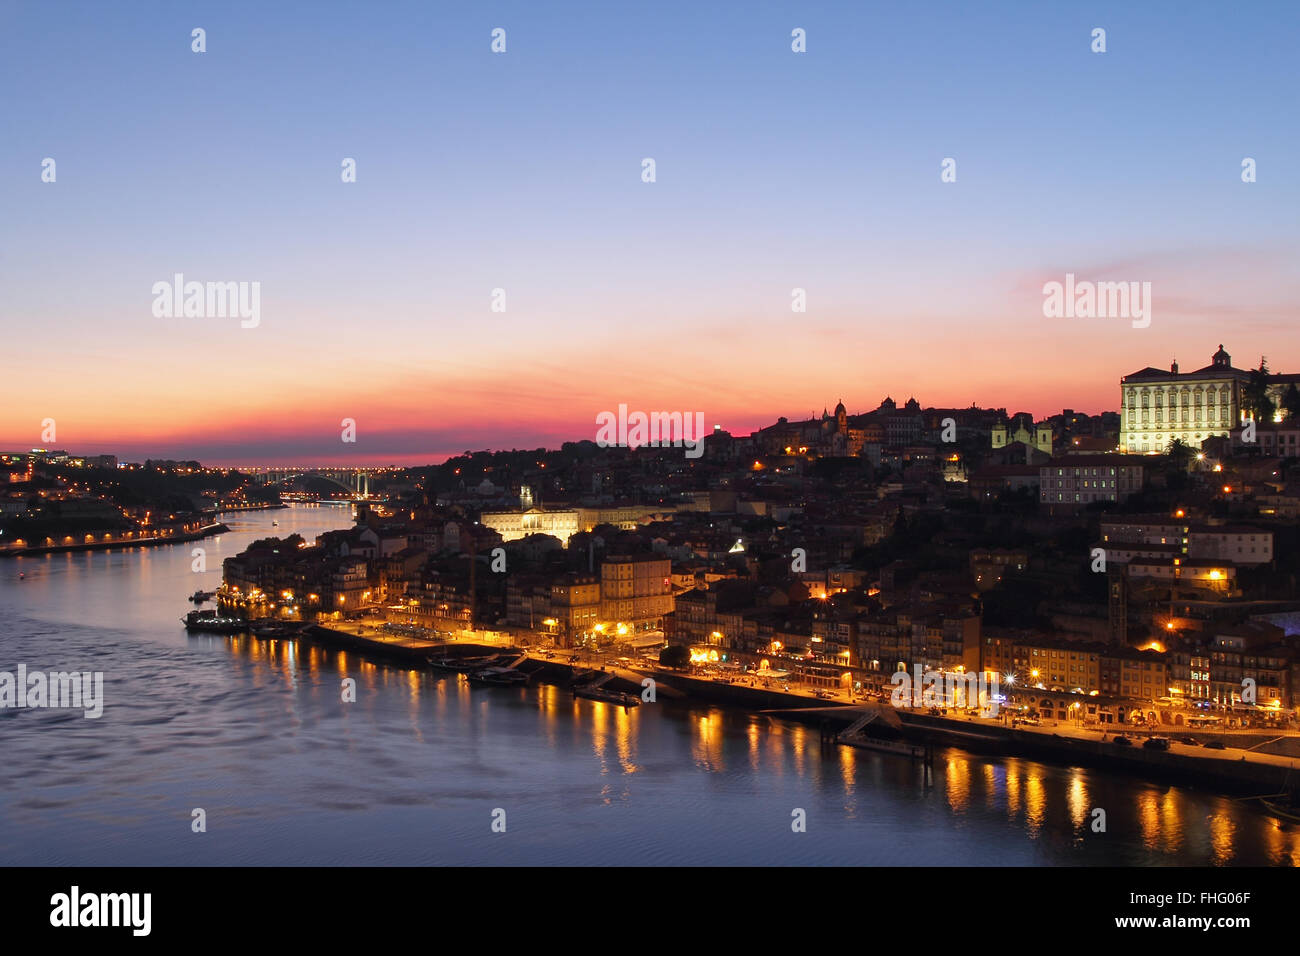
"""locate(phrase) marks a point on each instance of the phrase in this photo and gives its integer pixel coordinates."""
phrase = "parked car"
(1123, 741)
(1214, 745)
(1189, 740)
(1156, 743)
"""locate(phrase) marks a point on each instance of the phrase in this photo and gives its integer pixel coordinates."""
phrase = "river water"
(257, 736)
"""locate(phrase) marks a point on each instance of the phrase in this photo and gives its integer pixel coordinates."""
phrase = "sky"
(522, 171)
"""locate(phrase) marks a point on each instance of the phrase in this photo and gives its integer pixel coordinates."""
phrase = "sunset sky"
(522, 171)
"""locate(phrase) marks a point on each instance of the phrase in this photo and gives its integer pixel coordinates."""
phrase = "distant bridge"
(355, 481)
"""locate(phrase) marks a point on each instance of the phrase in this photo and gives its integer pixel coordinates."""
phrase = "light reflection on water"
(256, 733)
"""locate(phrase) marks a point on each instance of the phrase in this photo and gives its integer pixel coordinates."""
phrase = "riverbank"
(111, 543)
(414, 651)
(1232, 770)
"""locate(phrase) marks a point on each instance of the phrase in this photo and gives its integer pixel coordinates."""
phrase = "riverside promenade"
(368, 638)
(108, 542)
(1242, 767)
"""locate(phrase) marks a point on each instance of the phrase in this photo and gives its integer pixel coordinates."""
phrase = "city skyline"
(478, 171)
(353, 456)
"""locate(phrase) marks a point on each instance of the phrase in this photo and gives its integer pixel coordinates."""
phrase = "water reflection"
(707, 741)
(1079, 807)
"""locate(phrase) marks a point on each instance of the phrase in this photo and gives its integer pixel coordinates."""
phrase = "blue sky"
(522, 171)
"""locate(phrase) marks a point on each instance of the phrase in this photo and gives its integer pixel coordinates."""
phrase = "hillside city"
(1131, 566)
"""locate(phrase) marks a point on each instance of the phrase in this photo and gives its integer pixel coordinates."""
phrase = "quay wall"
(1225, 771)
(30, 551)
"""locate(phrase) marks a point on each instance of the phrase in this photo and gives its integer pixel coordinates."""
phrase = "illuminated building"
(1158, 406)
(566, 522)
(635, 589)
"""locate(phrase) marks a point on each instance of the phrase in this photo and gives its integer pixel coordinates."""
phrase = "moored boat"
(463, 665)
(903, 748)
(1282, 808)
(271, 630)
(213, 623)
(498, 676)
(607, 696)
(468, 665)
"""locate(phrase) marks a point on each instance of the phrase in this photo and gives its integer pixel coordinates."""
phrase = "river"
(257, 736)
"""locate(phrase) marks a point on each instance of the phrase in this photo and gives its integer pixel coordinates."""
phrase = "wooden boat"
(902, 748)
(464, 665)
(607, 696)
(272, 630)
(498, 676)
(1282, 808)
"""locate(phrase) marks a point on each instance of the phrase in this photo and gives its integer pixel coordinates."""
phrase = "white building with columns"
(1158, 406)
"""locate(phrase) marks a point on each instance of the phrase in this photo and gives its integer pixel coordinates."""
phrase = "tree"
(1291, 402)
(675, 655)
(1179, 456)
(1255, 399)
(1180, 453)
